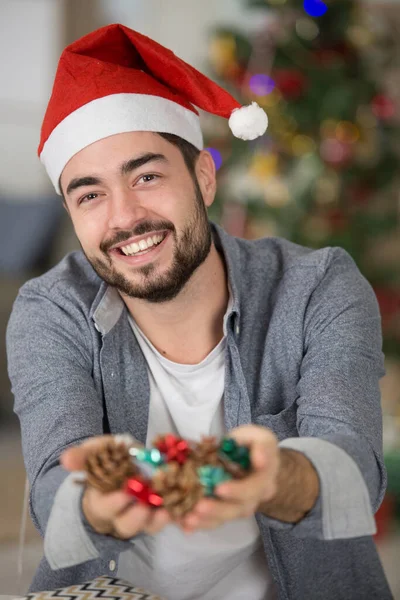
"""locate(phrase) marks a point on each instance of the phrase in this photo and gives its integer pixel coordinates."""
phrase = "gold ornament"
(222, 53)
(302, 144)
(264, 166)
(360, 36)
(276, 193)
(347, 132)
(316, 228)
(328, 128)
(270, 100)
(365, 117)
(327, 188)
(307, 29)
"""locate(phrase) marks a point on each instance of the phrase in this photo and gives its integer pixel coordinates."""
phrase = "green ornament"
(152, 456)
(210, 477)
(231, 450)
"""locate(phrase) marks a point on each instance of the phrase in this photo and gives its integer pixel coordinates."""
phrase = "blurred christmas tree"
(325, 174)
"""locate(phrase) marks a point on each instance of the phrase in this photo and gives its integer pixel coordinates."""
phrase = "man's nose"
(125, 210)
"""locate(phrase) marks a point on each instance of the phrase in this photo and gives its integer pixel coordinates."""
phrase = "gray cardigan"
(303, 358)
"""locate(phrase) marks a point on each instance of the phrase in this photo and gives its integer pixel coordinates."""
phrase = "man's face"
(138, 214)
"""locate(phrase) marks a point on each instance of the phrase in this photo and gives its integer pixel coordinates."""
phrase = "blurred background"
(325, 174)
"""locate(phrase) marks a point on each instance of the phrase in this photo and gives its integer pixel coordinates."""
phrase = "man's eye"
(148, 178)
(88, 197)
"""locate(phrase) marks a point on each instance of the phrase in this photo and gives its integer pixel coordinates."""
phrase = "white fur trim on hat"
(117, 113)
(248, 122)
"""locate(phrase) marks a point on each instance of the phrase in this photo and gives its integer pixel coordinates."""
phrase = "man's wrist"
(297, 488)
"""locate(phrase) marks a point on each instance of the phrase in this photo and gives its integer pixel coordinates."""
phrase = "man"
(164, 323)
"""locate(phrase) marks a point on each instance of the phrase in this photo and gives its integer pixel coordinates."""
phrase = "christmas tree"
(325, 174)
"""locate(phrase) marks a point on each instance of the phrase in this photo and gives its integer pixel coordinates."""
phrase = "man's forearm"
(297, 488)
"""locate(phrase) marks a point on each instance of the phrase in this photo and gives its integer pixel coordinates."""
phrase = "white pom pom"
(248, 122)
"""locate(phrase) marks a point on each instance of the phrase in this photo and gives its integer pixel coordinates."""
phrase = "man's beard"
(190, 251)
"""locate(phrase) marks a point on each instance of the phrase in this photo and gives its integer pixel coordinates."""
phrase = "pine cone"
(179, 486)
(206, 452)
(108, 468)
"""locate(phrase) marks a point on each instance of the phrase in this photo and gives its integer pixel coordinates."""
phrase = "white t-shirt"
(225, 563)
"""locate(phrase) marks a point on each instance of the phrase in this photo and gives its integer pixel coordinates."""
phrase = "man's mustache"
(140, 229)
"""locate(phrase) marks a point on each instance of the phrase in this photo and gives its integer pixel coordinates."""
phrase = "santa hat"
(116, 80)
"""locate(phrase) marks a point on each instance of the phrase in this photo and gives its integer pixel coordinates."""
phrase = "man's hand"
(283, 484)
(114, 513)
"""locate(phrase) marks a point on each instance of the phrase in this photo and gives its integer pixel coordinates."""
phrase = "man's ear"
(206, 176)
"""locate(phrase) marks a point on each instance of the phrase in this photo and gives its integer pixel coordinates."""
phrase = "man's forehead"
(116, 154)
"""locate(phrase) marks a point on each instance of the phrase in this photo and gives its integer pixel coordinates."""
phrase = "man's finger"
(132, 521)
(160, 518)
(210, 513)
(110, 504)
(254, 486)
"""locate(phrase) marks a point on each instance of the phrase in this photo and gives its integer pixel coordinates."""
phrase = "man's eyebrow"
(136, 163)
(126, 167)
(81, 182)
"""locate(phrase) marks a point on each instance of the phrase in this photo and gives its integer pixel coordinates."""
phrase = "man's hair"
(189, 152)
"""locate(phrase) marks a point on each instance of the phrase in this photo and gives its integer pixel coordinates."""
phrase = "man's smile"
(140, 249)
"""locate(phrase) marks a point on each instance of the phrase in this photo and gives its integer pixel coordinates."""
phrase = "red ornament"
(338, 52)
(383, 107)
(335, 153)
(359, 194)
(389, 304)
(135, 486)
(337, 220)
(289, 82)
(174, 448)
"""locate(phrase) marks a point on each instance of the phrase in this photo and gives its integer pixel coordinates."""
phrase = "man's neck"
(187, 328)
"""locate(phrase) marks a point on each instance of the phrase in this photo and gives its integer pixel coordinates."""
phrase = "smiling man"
(165, 323)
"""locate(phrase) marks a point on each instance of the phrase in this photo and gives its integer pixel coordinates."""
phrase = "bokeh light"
(216, 154)
(315, 8)
(307, 29)
(261, 84)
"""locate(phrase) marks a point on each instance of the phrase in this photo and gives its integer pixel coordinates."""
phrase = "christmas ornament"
(179, 486)
(261, 84)
(141, 490)
(263, 165)
(222, 52)
(383, 107)
(276, 192)
(107, 469)
(206, 452)
(302, 144)
(290, 82)
(337, 219)
(347, 132)
(335, 153)
(315, 8)
(173, 447)
(327, 188)
(307, 29)
(217, 158)
(231, 450)
(210, 477)
(173, 473)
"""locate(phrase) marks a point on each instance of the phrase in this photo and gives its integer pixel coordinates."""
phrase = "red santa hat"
(116, 80)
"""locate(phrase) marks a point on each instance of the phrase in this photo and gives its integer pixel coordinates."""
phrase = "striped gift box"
(104, 588)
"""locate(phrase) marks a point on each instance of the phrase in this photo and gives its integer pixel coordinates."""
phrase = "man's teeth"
(143, 245)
